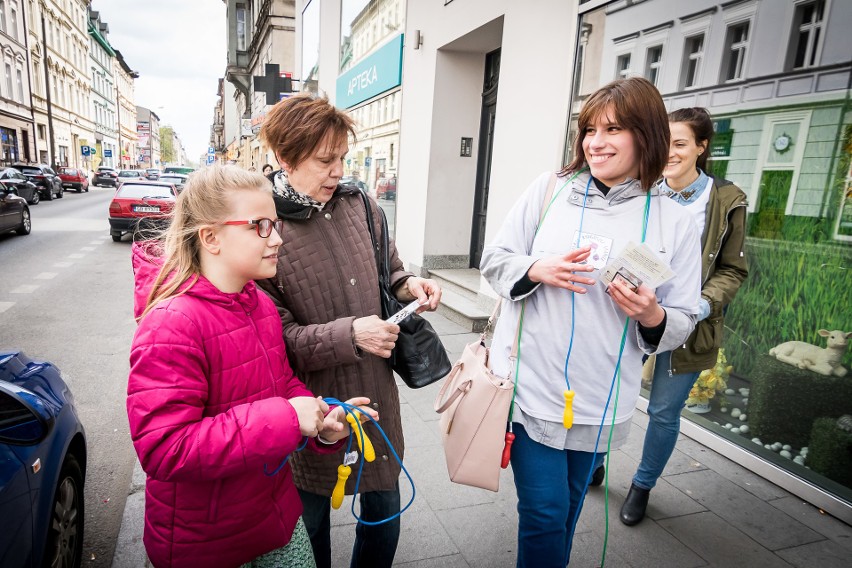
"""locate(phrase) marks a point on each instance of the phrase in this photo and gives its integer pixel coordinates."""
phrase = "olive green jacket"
(723, 270)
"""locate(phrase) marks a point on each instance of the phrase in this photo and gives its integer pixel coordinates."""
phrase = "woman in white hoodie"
(547, 268)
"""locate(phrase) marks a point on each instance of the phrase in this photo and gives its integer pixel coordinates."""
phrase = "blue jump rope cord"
(349, 409)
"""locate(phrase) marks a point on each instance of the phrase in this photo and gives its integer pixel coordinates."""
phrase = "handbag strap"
(372, 229)
(551, 186)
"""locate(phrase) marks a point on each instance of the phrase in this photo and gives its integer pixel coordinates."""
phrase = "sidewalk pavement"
(705, 511)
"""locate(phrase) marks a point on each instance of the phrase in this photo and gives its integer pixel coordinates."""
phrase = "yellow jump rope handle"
(364, 443)
(343, 472)
(568, 413)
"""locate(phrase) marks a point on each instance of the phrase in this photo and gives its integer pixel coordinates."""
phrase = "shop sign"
(720, 147)
(376, 74)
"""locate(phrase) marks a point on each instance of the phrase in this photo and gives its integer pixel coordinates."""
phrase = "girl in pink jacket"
(214, 406)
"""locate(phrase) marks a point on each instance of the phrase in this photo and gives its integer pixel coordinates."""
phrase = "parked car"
(72, 177)
(178, 170)
(352, 180)
(386, 188)
(14, 216)
(177, 180)
(128, 175)
(10, 177)
(105, 176)
(44, 177)
(42, 466)
(140, 206)
(152, 173)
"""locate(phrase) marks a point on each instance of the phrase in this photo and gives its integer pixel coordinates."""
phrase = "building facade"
(148, 138)
(260, 33)
(59, 46)
(17, 130)
(126, 112)
(103, 93)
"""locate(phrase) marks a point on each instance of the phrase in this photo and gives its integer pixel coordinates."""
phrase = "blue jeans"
(375, 546)
(551, 486)
(668, 397)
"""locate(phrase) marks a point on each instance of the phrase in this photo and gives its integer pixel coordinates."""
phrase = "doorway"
(486, 147)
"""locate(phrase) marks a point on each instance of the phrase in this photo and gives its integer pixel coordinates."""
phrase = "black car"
(105, 176)
(14, 215)
(48, 182)
(12, 178)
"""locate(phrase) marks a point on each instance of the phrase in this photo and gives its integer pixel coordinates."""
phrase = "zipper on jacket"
(721, 240)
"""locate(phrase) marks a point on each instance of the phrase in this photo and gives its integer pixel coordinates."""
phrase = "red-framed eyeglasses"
(263, 226)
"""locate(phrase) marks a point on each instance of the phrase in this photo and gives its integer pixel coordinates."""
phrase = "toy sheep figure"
(806, 356)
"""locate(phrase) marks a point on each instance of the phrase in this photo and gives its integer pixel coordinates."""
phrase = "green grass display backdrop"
(830, 451)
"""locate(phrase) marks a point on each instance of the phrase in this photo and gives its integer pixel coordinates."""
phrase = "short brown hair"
(296, 126)
(639, 108)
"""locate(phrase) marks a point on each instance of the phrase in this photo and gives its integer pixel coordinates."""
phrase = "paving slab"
(825, 554)
(485, 534)
(713, 538)
(753, 516)
(818, 520)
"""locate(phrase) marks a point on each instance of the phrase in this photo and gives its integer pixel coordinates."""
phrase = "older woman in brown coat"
(327, 293)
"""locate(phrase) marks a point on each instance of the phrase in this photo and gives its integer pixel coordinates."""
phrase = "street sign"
(107, 153)
(368, 161)
(85, 150)
(210, 159)
(93, 151)
(211, 150)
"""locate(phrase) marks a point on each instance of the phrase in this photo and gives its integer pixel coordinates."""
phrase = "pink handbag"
(474, 406)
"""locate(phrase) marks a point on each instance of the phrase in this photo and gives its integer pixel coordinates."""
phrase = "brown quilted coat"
(327, 277)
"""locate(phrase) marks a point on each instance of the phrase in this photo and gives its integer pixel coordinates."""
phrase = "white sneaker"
(700, 408)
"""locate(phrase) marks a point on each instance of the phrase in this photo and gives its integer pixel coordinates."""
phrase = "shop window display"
(782, 385)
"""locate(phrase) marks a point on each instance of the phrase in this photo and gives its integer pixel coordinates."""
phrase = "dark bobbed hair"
(296, 126)
(699, 121)
(638, 107)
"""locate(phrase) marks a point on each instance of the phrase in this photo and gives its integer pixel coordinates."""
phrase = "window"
(13, 22)
(622, 66)
(807, 33)
(3, 15)
(37, 76)
(653, 63)
(241, 27)
(693, 52)
(736, 42)
(9, 90)
(20, 80)
(42, 132)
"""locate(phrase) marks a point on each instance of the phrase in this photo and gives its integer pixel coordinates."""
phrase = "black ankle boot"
(598, 476)
(633, 510)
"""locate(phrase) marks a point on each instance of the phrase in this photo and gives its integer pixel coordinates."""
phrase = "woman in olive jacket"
(719, 209)
(327, 293)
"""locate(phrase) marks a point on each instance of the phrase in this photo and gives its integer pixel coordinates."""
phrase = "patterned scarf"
(282, 188)
(688, 194)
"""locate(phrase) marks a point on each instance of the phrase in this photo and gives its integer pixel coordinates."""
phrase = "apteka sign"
(374, 75)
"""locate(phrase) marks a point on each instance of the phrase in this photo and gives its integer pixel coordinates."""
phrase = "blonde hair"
(204, 201)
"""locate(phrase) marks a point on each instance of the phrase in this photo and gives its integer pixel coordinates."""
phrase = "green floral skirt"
(295, 554)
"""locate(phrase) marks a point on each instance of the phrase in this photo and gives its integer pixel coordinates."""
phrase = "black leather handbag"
(419, 357)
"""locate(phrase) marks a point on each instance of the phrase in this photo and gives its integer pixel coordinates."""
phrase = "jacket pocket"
(708, 334)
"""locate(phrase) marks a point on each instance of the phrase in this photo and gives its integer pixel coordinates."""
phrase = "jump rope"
(568, 412)
(368, 453)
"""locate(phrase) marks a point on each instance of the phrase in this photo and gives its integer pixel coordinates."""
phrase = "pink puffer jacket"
(207, 403)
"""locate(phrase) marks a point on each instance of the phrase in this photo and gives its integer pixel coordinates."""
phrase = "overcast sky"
(179, 48)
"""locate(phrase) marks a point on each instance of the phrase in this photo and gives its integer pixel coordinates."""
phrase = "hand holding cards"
(637, 265)
(404, 312)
